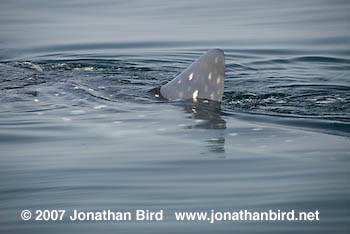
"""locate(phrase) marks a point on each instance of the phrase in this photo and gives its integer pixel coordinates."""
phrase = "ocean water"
(80, 130)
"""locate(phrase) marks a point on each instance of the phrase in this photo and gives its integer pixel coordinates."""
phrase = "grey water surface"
(80, 130)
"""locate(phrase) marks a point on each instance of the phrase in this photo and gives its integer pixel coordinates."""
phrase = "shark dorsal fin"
(203, 79)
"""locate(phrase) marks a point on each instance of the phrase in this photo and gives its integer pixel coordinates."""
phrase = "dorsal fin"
(203, 79)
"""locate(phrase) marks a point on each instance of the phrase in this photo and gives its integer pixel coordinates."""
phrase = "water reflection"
(216, 145)
(206, 112)
(208, 116)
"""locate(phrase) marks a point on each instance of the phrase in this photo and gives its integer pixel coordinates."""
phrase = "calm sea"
(79, 129)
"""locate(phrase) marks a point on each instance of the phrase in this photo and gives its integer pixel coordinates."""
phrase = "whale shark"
(202, 80)
(199, 89)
